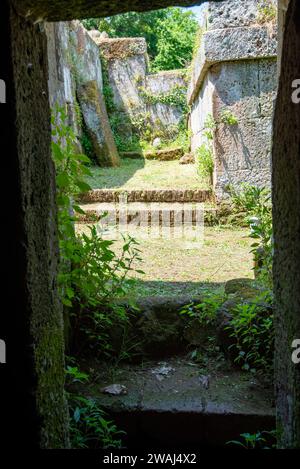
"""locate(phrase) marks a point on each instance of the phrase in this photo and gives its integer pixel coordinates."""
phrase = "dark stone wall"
(65, 10)
(33, 323)
(286, 200)
(35, 371)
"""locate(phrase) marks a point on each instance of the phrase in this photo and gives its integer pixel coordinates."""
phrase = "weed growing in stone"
(205, 312)
(267, 12)
(228, 118)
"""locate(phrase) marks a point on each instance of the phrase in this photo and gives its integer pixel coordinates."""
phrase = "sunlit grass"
(146, 174)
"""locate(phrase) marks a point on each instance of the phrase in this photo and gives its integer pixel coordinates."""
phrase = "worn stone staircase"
(148, 195)
(164, 398)
(150, 206)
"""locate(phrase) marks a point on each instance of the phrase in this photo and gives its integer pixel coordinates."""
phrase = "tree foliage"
(170, 34)
(176, 38)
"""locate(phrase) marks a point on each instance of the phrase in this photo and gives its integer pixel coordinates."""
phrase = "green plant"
(71, 172)
(89, 426)
(209, 127)
(97, 277)
(263, 248)
(107, 89)
(205, 162)
(253, 332)
(204, 312)
(255, 206)
(205, 156)
(74, 375)
(175, 97)
(259, 440)
(267, 12)
(228, 118)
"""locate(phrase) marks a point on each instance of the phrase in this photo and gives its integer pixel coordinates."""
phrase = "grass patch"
(173, 267)
(147, 174)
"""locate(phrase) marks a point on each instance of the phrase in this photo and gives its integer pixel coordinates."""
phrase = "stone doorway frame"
(34, 372)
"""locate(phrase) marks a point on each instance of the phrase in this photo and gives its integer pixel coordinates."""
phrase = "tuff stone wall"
(34, 329)
(286, 213)
(136, 92)
(76, 79)
(164, 115)
(234, 72)
(75, 66)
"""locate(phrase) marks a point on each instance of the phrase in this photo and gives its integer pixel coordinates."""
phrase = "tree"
(169, 33)
(176, 39)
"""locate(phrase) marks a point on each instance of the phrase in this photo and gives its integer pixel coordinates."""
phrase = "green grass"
(146, 174)
(173, 267)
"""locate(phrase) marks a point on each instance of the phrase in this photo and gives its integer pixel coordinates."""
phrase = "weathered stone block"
(168, 154)
(226, 45)
(84, 55)
(121, 48)
(245, 88)
(97, 123)
(75, 72)
(233, 13)
(161, 84)
(126, 63)
(234, 74)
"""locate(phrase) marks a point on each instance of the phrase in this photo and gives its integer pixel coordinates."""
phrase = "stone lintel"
(67, 10)
(229, 45)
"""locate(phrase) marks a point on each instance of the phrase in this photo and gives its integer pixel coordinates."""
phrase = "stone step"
(147, 195)
(167, 154)
(148, 214)
(175, 403)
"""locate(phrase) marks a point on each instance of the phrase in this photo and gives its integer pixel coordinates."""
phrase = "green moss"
(52, 403)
